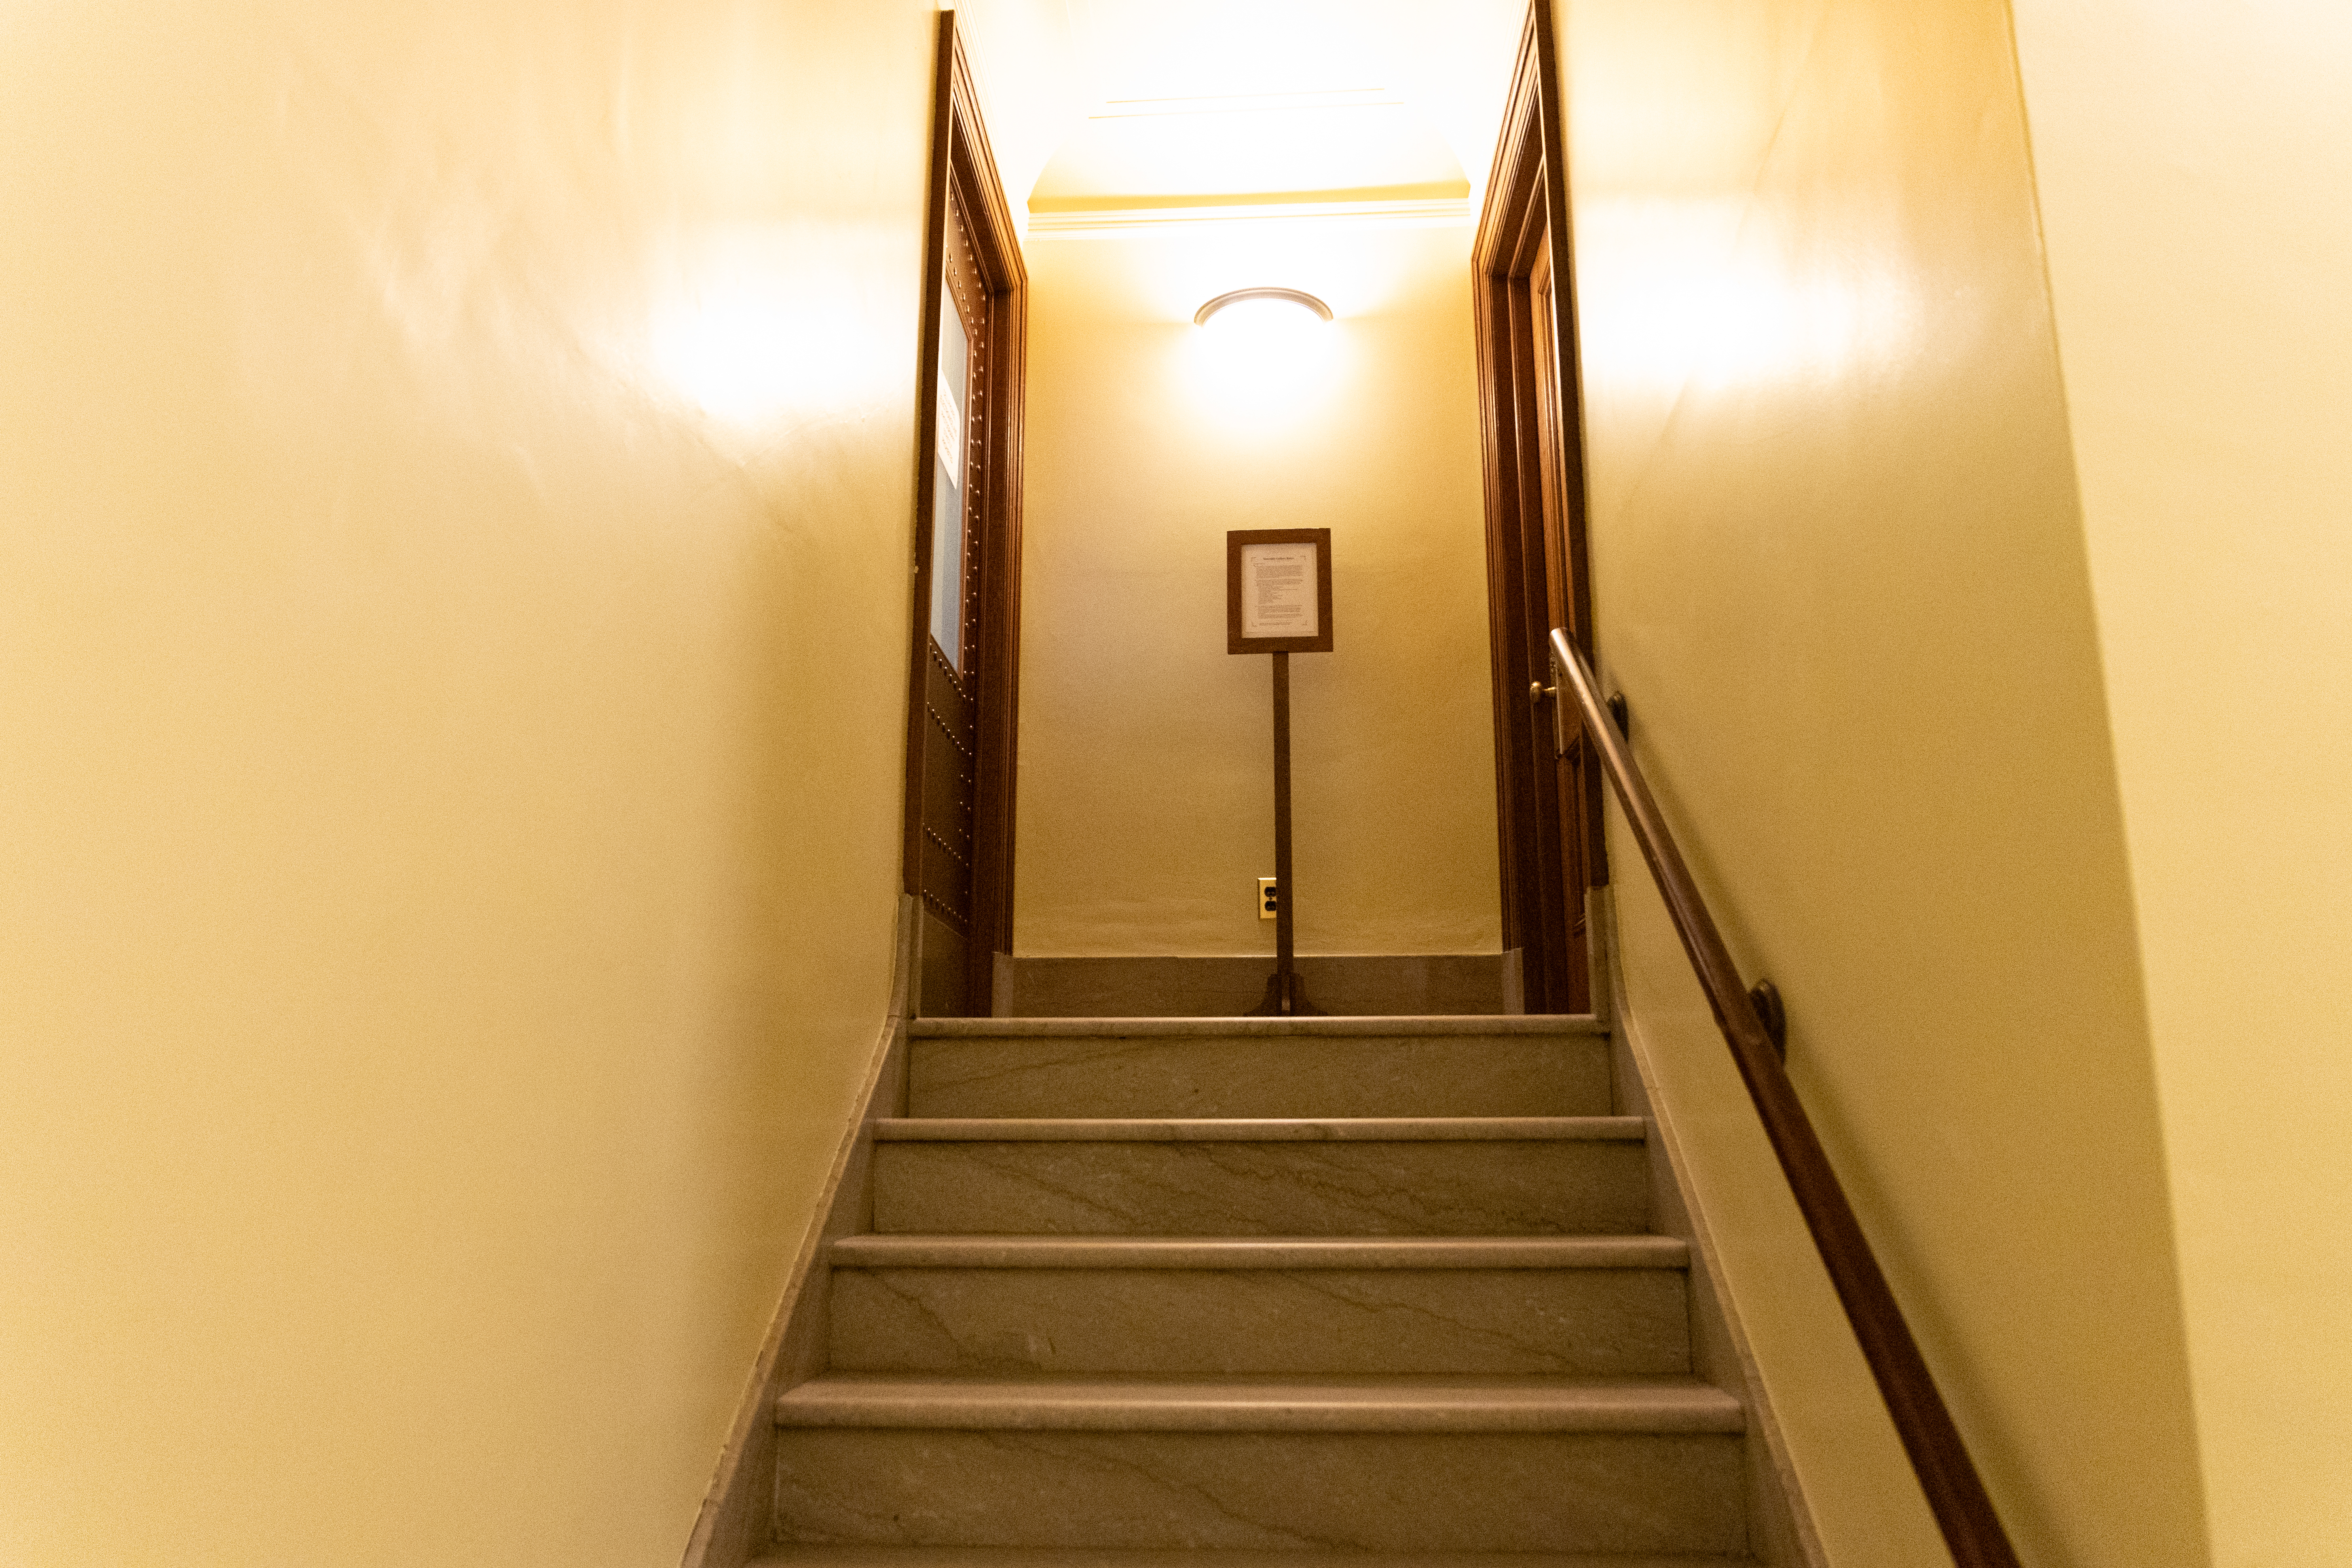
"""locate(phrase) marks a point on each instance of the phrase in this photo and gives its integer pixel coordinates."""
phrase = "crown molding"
(1424, 212)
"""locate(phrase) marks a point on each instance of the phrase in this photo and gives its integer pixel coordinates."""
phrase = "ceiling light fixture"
(1297, 296)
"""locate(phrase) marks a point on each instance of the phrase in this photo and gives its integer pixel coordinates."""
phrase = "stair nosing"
(1539, 1024)
(1260, 1129)
(798, 1554)
(1218, 1252)
(901, 1402)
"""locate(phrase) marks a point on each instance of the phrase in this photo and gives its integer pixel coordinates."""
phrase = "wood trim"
(1239, 539)
(1517, 155)
(926, 415)
(1568, 373)
(1508, 648)
(963, 164)
(1525, 208)
(998, 244)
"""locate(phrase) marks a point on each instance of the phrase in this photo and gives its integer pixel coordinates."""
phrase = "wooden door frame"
(961, 161)
(1527, 203)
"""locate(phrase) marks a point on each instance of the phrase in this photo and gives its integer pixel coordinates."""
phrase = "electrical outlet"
(1269, 902)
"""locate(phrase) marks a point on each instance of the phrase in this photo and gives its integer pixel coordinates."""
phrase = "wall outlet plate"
(1268, 901)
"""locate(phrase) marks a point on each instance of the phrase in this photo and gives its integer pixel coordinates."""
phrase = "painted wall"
(454, 502)
(2192, 165)
(1146, 782)
(1841, 575)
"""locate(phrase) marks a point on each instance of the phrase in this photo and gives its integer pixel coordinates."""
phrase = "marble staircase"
(1274, 1293)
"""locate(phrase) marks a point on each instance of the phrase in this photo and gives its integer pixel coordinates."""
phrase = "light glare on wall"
(762, 323)
(1261, 352)
(1719, 294)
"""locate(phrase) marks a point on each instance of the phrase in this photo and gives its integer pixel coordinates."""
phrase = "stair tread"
(1545, 1024)
(871, 1251)
(1259, 1130)
(821, 1556)
(1261, 1405)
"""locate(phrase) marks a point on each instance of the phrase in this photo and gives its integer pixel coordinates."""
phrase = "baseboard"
(1781, 1524)
(737, 1522)
(1220, 987)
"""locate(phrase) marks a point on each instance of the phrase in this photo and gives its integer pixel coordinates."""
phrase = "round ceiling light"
(1277, 297)
(1261, 354)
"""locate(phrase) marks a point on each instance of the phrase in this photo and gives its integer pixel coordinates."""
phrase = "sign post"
(1278, 602)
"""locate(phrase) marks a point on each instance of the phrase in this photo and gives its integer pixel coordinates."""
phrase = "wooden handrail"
(1956, 1495)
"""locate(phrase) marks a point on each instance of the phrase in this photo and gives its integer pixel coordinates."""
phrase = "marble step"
(1263, 1404)
(824, 1557)
(1369, 1177)
(1582, 1306)
(1288, 1252)
(1313, 1067)
(1239, 1489)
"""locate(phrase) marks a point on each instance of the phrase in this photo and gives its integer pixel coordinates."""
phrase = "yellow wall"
(1146, 780)
(2192, 164)
(1841, 575)
(455, 500)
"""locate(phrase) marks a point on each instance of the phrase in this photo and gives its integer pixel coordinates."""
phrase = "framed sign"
(1278, 590)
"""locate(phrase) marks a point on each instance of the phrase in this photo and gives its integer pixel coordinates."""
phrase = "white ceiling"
(1272, 98)
(1141, 158)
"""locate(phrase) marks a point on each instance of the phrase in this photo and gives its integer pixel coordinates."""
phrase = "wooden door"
(1547, 785)
(962, 702)
(953, 628)
(1561, 595)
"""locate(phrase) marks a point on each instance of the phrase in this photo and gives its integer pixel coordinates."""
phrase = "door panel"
(959, 521)
(947, 803)
(1555, 900)
(1561, 548)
